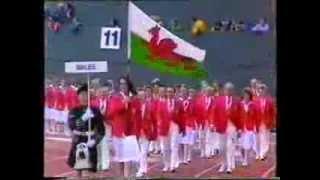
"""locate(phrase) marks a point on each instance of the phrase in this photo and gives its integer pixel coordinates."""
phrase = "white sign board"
(110, 38)
(86, 67)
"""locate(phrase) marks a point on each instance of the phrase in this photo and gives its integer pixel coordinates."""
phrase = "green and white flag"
(156, 48)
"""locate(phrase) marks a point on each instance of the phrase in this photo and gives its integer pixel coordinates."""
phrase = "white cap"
(228, 85)
(253, 80)
(264, 86)
(156, 80)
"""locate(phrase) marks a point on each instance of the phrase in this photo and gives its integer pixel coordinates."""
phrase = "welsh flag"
(156, 48)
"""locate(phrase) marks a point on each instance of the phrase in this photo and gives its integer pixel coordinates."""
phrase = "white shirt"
(228, 102)
(208, 102)
(246, 105)
(143, 109)
(170, 104)
(263, 104)
(261, 27)
(185, 104)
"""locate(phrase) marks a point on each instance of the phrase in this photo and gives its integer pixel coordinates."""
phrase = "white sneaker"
(177, 165)
(172, 169)
(244, 163)
(202, 154)
(139, 174)
(165, 169)
(233, 166)
(229, 170)
(221, 169)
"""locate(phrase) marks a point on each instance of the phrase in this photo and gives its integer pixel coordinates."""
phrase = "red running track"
(56, 152)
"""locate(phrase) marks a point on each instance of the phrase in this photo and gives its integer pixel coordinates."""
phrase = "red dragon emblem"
(162, 48)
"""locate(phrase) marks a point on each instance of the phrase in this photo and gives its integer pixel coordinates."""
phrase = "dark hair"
(83, 88)
(107, 84)
(174, 89)
(129, 83)
(248, 91)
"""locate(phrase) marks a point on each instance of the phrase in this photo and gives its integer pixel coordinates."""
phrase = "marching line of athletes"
(58, 101)
(167, 120)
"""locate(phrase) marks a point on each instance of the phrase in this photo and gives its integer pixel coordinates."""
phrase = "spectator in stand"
(70, 10)
(217, 26)
(262, 27)
(241, 26)
(76, 26)
(114, 22)
(175, 25)
(199, 26)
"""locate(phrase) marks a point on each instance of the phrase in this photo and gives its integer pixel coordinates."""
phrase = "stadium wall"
(231, 56)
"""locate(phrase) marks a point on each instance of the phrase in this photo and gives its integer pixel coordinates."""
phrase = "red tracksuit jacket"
(266, 111)
(119, 114)
(226, 111)
(247, 116)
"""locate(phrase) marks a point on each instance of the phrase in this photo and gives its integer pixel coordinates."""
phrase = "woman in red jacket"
(226, 124)
(247, 117)
(163, 128)
(188, 115)
(141, 118)
(214, 139)
(124, 141)
(50, 102)
(61, 118)
(202, 107)
(152, 98)
(266, 116)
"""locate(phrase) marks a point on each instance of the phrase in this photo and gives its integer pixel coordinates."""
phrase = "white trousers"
(263, 141)
(144, 146)
(202, 141)
(169, 146)
(165, 150)
(211, 142)
(174, 146)
(103, 152)
(248, 140)
(155, 145)
(228, 140)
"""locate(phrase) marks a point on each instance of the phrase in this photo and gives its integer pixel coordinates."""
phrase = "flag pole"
(89, 121)
(128, 38)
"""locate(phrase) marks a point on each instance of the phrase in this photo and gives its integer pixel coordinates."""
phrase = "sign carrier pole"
(87, 67)
(89, 121)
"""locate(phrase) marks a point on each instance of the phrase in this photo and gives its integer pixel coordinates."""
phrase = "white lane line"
(208, 169)
(58, 139)
(267, 172)
(55, 159)
(65, 174)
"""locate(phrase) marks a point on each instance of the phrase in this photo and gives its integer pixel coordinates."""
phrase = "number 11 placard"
(110, 38)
